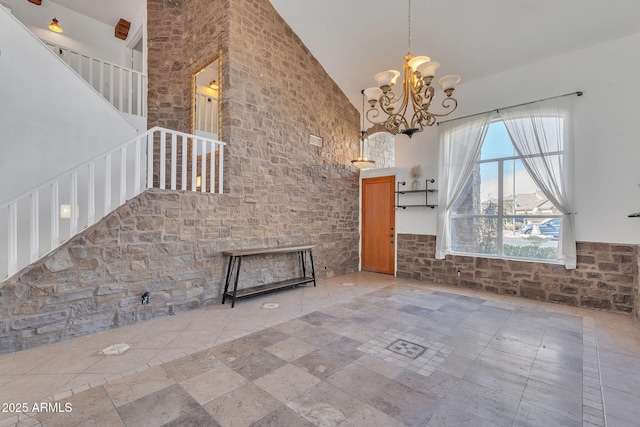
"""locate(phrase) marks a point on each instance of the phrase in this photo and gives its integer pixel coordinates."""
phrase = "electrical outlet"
(325, 266)
(145, 298)
(458, 273)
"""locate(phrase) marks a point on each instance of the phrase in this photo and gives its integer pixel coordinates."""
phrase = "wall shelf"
(426, 192)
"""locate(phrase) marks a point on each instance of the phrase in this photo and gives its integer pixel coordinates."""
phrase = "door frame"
(377, 173)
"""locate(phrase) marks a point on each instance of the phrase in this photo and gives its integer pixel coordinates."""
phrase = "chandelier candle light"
(409, 113)
(362, 162)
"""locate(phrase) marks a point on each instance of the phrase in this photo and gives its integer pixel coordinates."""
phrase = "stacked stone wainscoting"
(167, 243)
(606, 276)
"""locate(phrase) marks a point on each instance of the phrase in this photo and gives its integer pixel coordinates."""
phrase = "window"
(500, 210)
(505, 186)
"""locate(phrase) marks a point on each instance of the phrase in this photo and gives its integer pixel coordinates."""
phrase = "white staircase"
(43, 218)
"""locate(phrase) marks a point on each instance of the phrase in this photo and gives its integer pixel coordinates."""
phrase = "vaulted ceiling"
(355, 39)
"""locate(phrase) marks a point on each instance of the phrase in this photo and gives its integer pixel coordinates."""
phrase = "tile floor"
(358, 350)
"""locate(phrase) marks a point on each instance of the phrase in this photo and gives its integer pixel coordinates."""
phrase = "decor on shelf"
(122, 29)
(54, 26)
(362, 162)
(409, 113)
(416, 172)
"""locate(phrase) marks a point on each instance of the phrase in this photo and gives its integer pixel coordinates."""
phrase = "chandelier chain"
(409, 35)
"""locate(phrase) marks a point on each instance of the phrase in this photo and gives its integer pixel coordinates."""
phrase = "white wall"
(607, 159)
(51, 119)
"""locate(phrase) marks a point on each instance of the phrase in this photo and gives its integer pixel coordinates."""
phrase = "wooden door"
(378, 224)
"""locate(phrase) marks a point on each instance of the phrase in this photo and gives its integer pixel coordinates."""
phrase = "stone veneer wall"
(637, 287)
(167, 243)
(606, 276)
(381, 146)
(279, 190)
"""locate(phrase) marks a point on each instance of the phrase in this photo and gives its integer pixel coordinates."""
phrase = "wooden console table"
(233, 272)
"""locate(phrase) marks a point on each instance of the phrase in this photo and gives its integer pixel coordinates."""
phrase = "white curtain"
(538, 130)
(460, 145)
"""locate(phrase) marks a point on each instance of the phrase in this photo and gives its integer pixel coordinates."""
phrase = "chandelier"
(362, 162)
(409, 113)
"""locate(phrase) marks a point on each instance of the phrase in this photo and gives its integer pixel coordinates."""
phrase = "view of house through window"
(501, 211)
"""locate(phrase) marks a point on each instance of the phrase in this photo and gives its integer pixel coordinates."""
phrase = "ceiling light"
(54, 26)
(409, 113)
(362, 162)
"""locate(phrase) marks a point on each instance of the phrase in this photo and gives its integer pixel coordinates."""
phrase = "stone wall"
(279, 190)
(167, 243)
(606, 276)
(381, 147)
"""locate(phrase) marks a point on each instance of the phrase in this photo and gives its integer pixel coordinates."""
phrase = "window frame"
(501, 216)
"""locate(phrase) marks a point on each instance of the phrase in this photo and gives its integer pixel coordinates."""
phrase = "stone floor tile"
(318, 318)
(131, 359)
(448, 416)
(190, 366)
(369, 416)
(532, 416)
(257, 364)
(242, 407)
(213, 383)
(455, 365)
(169, 405)
(375, 364)
(281, 417)
(406, 405)
(81, 407)
(135, 386)
(287, 382)
(290, 349)
(496, 379)
(325, 405)
(553, 399)
(624, 406)
(358, 381)
(484, 403)
(322, 363)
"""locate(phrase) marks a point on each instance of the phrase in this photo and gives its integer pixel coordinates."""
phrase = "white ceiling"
(108, 12)
(355, 39)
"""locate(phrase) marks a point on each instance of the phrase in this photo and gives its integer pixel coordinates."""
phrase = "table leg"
(235, 284)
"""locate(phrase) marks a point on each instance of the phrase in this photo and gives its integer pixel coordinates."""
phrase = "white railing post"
(194, 163)
(73, 198)
(212, 174)
(55, 216)
(220, 168)
(174, 160)
(150, 155)
(203, 172)
(107, 184)
(91, 194)
(136, 168)
(184, 162)
(163, 159)
(34, 227)
(12, 259)
(123, 175)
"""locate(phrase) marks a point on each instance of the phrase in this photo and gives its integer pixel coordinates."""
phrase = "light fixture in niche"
(54, 26)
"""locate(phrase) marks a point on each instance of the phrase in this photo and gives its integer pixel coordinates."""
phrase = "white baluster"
(194, 163)
(150, 160)
(212, 174)
(136, 169)
(123, 175)
(163, 159)
(221, 163)
(203, 179)
(34, 225)
(107, 184)
(184, 162)
(174, 160)
(91, 194)
(12, 260)
(73, 196)
(55, 216)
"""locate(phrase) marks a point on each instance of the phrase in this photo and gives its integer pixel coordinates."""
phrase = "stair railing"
(39, 221)
(123, 87)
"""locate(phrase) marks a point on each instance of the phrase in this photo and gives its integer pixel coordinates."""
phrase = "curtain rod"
(578, 93)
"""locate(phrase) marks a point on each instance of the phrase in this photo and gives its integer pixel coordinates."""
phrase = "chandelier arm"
(449, 104)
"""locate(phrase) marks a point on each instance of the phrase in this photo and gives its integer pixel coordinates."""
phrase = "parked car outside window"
(550, 226)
